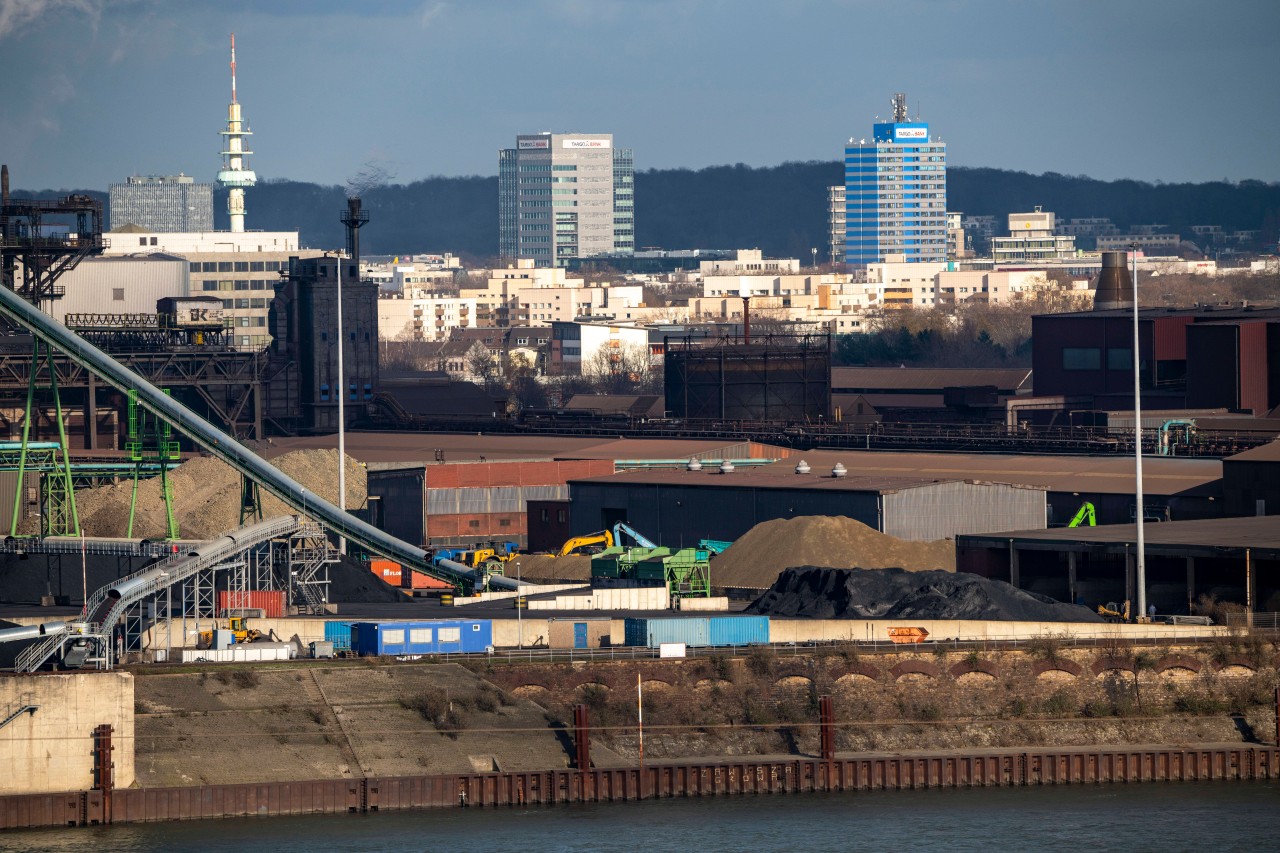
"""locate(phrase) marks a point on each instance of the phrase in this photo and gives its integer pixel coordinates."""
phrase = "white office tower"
(565, 195)
(234, 175)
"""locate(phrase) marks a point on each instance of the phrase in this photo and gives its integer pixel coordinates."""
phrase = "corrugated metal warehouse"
(125, 284)
(678, 508)
(1233, 559)
(1251, 481)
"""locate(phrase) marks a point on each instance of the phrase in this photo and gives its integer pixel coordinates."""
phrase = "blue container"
(338, 633)
(652, 633)
(739, 630)
(440, 636)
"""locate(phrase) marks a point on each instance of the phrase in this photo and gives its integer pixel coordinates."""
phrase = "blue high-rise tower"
(896, 193)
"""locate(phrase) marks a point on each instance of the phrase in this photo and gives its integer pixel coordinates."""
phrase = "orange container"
(908, 635)
(386, 570)
(269, 601)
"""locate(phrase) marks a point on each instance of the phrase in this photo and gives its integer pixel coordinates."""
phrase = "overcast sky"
(1172, 90)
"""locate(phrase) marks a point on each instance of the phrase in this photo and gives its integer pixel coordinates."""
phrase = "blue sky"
(1167, 90)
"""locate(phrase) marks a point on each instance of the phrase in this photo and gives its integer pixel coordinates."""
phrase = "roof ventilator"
(802, 467)
(694, 465)
(839, 470)
(726, 467)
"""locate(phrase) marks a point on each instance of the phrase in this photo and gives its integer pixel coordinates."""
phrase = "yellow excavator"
(1113, 612)
(600, 537)
(239, 629)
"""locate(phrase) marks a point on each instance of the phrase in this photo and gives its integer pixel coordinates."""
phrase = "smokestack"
(1115, 287)
(746, 319)
(4, 182)
(353, 217)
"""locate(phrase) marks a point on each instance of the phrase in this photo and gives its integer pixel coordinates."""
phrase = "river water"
(1217, 817)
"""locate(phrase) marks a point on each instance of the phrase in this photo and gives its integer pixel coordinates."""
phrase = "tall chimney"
(1115, 287)
(353, 217)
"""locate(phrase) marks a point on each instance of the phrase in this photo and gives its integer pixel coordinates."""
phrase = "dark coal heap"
(897, 594)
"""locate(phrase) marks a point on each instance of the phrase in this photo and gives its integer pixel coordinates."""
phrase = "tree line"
(779, 209)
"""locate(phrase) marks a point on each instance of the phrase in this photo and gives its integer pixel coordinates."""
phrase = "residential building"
(422, 315)
(900, 284)
(896, 193)
(161, 203)
(957, 247)
(565, 195)
(1032, 239)
(586, 348)
(836, 220)
(1153, 244)
(748, 262)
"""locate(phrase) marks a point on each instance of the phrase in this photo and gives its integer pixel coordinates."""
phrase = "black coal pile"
(897, 594)
(351, 581)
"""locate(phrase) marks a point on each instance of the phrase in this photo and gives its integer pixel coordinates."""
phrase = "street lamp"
(519, 611)
(815, 257)
(1137, 443)
(342, 415)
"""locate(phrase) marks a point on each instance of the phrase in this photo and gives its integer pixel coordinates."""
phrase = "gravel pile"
(206, 495)
(538, 567)
(756, 559)
(822, 593)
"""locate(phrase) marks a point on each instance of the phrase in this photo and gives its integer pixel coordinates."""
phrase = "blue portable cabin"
(435, 637)
(338, 633)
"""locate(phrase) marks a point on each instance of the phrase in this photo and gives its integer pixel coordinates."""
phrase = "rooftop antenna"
(899, 102)
(234, 175)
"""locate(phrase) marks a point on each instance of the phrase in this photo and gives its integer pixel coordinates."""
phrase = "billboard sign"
(585, 143)
(910, 132)
(528, 144)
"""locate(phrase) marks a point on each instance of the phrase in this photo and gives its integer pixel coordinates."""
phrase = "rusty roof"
(1086, 474)
(1265, 453)
(1216, 537)
(411, 448)
(760, 478)
(888, 379)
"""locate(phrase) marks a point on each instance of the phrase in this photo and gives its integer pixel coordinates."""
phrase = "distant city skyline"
(1151, 90)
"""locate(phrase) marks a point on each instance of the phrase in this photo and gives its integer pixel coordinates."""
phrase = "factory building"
(241, 269)
(680, 507)
(1198, 358)
(120, 284)
(466, 503)
(161, 203)
(1233, 559)
(770, 378)
(304, 321)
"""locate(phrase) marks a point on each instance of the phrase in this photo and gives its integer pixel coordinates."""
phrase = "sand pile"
(759, 556)
(822, 593)
(206, 496)
(539, 567)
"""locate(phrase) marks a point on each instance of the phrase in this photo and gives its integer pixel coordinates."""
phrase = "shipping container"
(385, 570)
(652, 633)
(269, 601)
(442, 636)
(338, 633)
(738, 630)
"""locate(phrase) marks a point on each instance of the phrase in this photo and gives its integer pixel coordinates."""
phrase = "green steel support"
(58, 498)
(165, 449)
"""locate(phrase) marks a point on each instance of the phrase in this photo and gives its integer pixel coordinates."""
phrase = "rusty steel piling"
(865, 772)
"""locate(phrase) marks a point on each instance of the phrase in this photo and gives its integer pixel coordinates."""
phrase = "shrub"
(1060, 703)
(246, 678)
(1047, 647)
(430, 704)
(760, 662)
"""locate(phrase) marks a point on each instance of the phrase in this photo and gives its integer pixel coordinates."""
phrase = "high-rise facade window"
(896, 196)
(168, 203)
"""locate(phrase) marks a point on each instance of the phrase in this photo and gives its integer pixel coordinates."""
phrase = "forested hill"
(780, 209)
